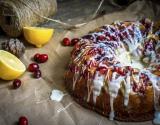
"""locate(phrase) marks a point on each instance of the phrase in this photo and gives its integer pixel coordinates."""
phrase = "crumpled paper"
(32, 99)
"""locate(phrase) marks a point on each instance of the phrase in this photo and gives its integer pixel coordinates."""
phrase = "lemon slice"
(37, 36)
(10, 66)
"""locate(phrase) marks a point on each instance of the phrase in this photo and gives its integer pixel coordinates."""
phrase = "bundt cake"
(115, 70)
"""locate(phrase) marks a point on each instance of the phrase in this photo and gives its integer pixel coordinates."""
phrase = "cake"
(115, 70)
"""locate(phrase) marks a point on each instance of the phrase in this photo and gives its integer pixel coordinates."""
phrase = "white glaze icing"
(156, 119)
(75, 78)
(98, 83)
(114, 86)
(56, 95)
(111, 114)
(127, 84)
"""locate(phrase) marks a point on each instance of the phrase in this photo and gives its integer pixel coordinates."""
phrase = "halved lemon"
(37, 36)
(10, 66)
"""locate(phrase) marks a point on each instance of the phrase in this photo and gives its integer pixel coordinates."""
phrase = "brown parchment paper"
(32, 98)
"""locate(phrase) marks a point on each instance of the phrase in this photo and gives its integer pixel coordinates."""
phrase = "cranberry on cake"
(115, 70)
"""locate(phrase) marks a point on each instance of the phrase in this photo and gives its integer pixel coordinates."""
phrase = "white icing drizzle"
(111, 114)
(156, 119)
(89, 87)
(127, 83)
(114, 86)
(98, 83)
(75, 78)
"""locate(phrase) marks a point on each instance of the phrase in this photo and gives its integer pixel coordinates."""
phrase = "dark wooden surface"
(79, 11)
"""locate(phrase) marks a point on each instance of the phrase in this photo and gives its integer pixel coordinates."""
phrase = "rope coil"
(14, 14)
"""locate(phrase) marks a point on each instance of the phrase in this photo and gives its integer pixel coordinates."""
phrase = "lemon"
(37, 36)
(10, 66)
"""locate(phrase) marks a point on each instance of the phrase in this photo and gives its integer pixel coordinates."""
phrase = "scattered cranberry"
(23, 121)
(37, 74)
(74, 41)
(42, 58)
(66, 42)
(16, 83)
(33, 67)
(36, 56)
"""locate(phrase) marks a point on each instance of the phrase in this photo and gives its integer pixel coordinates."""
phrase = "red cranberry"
(74, 68)
(36, 56)
(23, 121)
(107, 33)
(142, 75)
(135, 87)
(74, 41)
(101, 38)
(129, 68)
(120, 71)
(42, 58)
(142, 90)
(37, 74)
(115, 69)
(16, 83)
(120, 36)
(77, 47)
(66, 42)
(125, 34)
(112, 38)
(90, 37)
(33, 67)
(102, 70)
